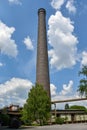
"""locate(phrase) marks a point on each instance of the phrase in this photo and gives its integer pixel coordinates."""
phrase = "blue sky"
(66, 32)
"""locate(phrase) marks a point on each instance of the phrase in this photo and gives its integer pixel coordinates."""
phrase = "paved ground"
(55, 127)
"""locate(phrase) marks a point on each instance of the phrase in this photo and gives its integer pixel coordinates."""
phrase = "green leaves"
(37, 105)
(82, 88)
(77, 107)
(66, 106)
(83, 71)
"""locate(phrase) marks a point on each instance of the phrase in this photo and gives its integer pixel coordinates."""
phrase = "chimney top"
(41, 10)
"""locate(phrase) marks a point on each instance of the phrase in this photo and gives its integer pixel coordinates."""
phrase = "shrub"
(59, 120)
(4, 119)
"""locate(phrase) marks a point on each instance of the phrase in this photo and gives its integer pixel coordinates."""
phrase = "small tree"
(66, 106)
(83, 82)
(37, 107)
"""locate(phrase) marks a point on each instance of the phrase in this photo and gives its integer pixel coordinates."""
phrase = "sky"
(66, 23)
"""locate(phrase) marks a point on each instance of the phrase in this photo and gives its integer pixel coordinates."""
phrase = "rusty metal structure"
(42, 66)
(68, 100)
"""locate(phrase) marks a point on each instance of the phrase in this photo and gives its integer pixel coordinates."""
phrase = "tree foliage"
(77, 107)
(66, 106)
(82, 88)
(37, 107)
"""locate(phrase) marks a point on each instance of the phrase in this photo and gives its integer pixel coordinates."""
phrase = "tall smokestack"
(42, 68)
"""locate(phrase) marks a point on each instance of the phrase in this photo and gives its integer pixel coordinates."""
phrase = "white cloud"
(7, 44)
(56, 4)
(28, 42)
(84, 58)
(53, 89)
(18, 2)
(1, 64)
(60, 35)
(70, 6)
(67, 89)
(14, 91)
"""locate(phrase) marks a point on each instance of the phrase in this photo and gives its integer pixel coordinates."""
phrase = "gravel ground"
(81, 126)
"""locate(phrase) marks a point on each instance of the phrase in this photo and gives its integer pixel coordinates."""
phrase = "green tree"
(66, 106)
(37, 107)
(77, 107)
(82, 88)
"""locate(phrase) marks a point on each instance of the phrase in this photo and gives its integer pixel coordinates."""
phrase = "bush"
(15, 123)
(4, 119)
(59, 120)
